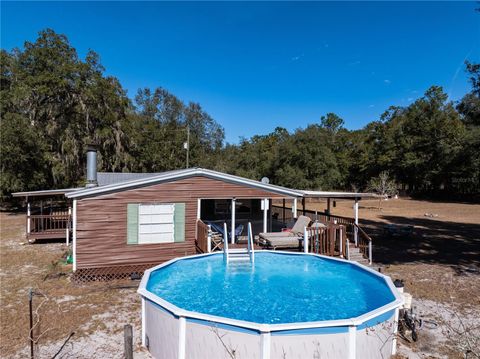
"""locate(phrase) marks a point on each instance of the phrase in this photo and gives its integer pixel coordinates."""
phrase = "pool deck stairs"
(356, 256)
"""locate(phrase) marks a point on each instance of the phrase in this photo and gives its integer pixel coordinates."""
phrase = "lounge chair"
(287, 239)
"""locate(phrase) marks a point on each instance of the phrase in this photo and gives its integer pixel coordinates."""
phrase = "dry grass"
(440, 265)
(86, 310)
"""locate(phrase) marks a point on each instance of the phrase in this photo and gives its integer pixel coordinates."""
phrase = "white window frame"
(156, 223)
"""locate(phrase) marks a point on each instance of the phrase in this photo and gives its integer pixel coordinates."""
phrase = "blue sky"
(256, 66)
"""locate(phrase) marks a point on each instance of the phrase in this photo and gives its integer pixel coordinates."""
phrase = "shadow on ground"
(432, 241)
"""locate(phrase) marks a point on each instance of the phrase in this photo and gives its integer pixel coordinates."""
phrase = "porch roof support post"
(28, 216)
(355, 210)
(294, 208)
(67, 230)
(74, 235)
(265, 214)
(199, 208)
(232, 236)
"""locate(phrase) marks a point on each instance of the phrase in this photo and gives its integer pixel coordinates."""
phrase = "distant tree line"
(53, 104)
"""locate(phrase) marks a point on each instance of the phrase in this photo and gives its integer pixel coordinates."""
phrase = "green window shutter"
(179, 222)
(132, 223)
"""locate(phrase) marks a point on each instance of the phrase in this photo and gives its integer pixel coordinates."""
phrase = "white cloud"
(296, 58)
(371, 106)
(388, 82)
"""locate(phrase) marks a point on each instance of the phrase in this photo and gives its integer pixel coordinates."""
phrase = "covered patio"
(49, 215)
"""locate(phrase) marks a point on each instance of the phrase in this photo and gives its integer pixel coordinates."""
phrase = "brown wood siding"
(102, 221)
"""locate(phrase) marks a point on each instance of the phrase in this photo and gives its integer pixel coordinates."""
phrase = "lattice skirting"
(110, 273)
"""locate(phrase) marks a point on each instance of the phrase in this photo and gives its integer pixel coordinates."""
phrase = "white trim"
(399, 300)
(327, 194)
(74, 233)
(191, 172)
(46, 192)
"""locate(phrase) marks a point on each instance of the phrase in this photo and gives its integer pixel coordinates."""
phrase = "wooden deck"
(49, 226)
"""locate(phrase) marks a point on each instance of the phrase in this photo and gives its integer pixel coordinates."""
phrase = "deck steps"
(356, 255)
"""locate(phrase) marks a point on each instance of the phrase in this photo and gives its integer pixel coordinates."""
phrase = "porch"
(339, 236)
(48, 216)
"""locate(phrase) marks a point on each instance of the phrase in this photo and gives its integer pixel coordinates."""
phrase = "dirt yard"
(439, 262)
(95, 313)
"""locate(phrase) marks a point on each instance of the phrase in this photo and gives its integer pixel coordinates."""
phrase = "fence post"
(30, 309)
(128, 341)
(347, 249)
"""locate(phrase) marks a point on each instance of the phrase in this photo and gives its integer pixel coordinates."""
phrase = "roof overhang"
(44, 193)
(177, 175)
(339, 195)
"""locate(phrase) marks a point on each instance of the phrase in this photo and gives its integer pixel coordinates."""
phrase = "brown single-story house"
(127, 222)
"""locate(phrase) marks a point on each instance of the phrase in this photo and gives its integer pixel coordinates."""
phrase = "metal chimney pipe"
(91, 166)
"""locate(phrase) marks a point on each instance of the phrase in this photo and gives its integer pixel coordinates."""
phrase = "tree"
(383, 185)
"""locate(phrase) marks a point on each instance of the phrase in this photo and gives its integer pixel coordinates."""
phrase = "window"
(156, 223)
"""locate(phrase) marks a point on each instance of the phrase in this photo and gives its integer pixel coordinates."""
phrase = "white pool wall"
(172, 332)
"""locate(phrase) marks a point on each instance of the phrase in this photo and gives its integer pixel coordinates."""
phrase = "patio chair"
(218, 234)
(287, 239)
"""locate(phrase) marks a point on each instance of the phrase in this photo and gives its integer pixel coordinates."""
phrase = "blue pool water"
(278, 288)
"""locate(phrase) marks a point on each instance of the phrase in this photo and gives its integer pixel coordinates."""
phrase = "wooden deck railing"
(329, 241)
(202, 237)
(49, 224)
(364, 243)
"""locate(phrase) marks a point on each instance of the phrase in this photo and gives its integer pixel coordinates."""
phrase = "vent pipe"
(91, 166)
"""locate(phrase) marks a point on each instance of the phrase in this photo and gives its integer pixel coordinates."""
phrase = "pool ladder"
(240, 254)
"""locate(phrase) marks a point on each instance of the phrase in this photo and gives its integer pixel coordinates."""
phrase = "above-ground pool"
(284, 305)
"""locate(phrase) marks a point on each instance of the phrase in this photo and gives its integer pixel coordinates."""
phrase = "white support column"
(355, 232)
(232, 236)
(341, 242)
(266, 344)
(199, 208)
(144, 334)
(294, 208)
(74, 235)
(352, 342)
(28, 217)
(305, 240)
(265, 204)
(209, 239)
(395, 330)
(182, 330)
(67, 230)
